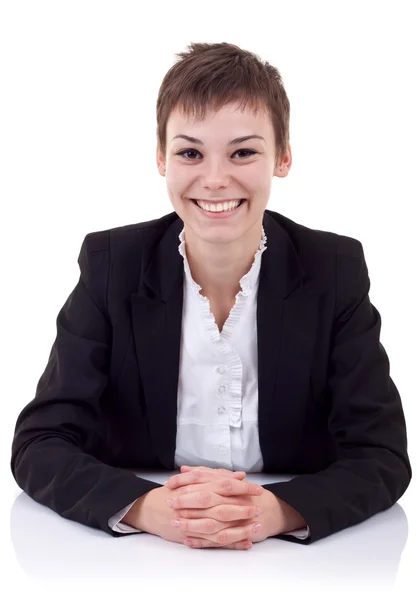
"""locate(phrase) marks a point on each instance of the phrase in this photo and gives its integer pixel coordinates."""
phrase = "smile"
(219, 214)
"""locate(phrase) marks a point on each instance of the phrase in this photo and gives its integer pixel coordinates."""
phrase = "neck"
(219, 267)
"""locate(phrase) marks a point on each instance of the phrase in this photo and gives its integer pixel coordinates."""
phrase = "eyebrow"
(237, 140)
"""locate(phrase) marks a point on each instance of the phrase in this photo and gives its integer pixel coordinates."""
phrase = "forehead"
(228, 118)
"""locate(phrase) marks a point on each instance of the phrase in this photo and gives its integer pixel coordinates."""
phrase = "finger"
(229, 487)
(193, 500)
(203, 543)
(204, 527)
(225, 472)
(207, 499)
(222, 512)
(230, 500)
(189, 478)
(233, 535)
(225, 486)
(192, 477)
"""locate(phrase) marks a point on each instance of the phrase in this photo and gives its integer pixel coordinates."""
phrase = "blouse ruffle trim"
(248, 284)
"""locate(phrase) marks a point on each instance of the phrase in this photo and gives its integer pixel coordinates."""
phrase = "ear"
(282, 168)
(160, 161)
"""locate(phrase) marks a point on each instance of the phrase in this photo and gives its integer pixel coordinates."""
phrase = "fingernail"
(170, 502)
(258, 511)
(175, 523)
(257, 527)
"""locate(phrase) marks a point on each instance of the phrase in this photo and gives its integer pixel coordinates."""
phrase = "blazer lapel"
(286, 320)
(157, 317)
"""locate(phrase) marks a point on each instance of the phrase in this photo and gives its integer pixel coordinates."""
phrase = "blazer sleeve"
(55, 432)
(366, 419)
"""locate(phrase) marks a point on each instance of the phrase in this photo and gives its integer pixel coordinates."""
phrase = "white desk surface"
(66, 559)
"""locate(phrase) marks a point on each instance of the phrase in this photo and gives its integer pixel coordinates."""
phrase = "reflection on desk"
(49, 547)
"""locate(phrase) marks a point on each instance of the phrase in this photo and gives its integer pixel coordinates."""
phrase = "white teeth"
(219, 206)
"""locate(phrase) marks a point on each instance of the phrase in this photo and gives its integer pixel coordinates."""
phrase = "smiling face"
(215, 166)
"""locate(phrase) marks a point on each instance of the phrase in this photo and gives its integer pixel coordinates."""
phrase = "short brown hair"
(212, 75)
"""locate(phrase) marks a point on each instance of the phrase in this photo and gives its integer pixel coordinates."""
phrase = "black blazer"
(107, 400)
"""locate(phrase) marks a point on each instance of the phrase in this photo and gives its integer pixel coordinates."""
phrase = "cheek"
(260, 180)
(177, 175)
(174, 182)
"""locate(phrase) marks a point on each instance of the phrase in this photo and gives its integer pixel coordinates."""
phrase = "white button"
(222, 389)
(222, 369)
(222, 449)
(221, 410)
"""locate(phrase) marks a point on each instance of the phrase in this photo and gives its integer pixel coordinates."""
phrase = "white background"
(79, 82)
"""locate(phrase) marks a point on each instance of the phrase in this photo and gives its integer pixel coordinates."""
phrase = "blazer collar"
(281, 265)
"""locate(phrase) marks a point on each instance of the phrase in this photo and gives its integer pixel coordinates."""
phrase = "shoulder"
(128, 237)
(331, 261)
(118, 253)
(315, 243)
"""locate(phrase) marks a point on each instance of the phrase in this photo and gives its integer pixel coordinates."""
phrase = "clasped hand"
(216, 508)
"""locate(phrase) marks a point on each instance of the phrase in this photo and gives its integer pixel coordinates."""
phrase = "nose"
(215, 178)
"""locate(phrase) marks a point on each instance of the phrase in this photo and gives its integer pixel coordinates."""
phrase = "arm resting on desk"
(51, 450)
(366, 419)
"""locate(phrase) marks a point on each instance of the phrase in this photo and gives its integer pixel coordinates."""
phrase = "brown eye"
(250, 152)
(184, 152)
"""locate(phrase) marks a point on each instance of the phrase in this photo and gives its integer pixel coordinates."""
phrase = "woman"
(222, 338)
